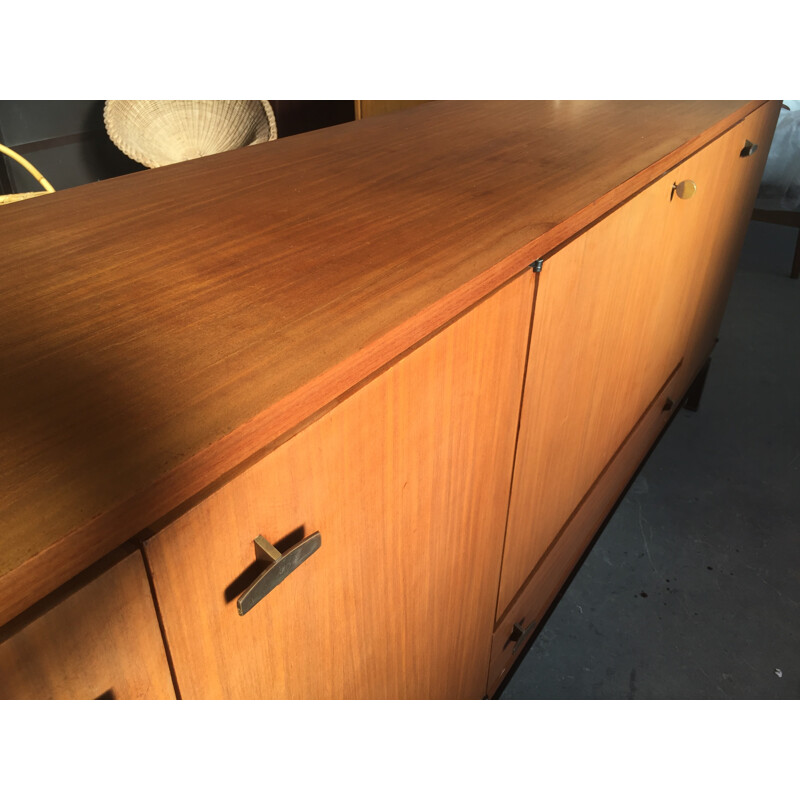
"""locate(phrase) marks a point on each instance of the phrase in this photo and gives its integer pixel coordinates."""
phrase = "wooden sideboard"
(422, 354)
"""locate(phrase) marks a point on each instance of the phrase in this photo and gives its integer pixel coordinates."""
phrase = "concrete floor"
(692, 590)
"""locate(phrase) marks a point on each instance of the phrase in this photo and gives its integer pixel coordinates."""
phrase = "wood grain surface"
(101, 641)
(162, 327)
(407, 482)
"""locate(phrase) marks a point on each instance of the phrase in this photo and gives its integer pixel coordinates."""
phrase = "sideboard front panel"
(407, 482)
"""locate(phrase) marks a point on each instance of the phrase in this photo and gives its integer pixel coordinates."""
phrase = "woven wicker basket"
(13, 198)
(160, 132)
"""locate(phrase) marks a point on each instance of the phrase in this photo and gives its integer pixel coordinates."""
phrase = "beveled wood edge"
(46, 570)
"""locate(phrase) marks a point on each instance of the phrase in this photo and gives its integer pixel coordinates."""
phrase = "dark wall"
(299, 116)
(67, 142)
(64, 139)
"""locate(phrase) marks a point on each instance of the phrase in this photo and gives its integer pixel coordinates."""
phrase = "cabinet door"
(407, 482)
(707, 231)
(101, 641)
(602, 346)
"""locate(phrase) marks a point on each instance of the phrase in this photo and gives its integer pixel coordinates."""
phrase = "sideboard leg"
(692, 401)
(796, 262)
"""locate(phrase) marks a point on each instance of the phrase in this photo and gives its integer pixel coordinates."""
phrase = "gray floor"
(693, 589)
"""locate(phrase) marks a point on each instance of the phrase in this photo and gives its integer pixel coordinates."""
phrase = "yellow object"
(13, 198)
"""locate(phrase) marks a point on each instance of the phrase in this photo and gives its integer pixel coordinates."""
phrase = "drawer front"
(102, 641)
(531, 604)
(406, 482)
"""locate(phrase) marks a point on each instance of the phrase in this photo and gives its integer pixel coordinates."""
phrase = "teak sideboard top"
(161, 329)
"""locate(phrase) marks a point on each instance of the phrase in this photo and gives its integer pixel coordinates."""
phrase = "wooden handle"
(279, 567)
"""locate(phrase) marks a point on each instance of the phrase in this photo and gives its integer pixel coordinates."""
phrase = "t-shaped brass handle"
(280, 565)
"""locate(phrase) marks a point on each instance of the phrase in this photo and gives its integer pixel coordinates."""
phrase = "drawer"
(102, 640)
(537, 594)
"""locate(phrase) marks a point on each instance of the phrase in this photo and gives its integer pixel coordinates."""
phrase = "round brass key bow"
(684, 190)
